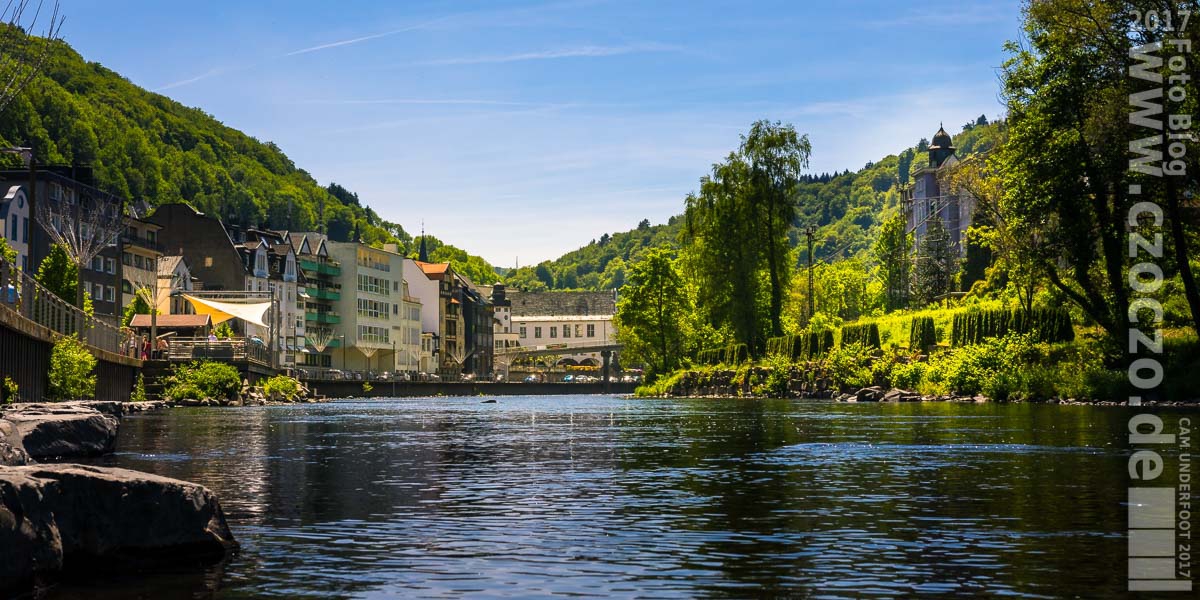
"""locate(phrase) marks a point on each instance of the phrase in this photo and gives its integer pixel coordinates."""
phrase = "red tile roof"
(172, 321)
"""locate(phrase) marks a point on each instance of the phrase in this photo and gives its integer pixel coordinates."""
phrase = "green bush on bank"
(72, 370)
(203, 379)
(286, 387)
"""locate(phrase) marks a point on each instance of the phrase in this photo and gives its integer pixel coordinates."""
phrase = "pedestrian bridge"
(556, 349)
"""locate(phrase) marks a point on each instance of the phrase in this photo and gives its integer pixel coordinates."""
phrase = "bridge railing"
(28, 298)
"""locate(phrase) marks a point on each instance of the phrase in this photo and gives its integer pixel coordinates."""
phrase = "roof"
(433, 268)
(941, 139)
(168, 264)
(172, 321)
(529, 304)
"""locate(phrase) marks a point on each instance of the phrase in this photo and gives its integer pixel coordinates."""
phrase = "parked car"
(568, 379)
(531, 379)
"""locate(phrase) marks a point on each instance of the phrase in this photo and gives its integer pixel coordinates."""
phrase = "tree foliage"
(72, 370)
(59, 274)
(653, 313)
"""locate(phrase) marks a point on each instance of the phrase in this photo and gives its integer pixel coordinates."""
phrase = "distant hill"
(845, 206)
(147, 147)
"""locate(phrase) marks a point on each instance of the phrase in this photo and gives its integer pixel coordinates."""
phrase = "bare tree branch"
(20, 59)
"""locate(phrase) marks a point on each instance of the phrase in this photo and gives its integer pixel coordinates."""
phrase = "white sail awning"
(221, 311)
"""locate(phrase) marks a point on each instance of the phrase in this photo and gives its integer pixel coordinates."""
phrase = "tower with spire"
(930, 196)
(423, 252)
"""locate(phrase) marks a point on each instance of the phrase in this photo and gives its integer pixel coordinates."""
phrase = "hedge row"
(866, 334)
(733, 354)
(805, 345)
(1048, 324)
(922, 333)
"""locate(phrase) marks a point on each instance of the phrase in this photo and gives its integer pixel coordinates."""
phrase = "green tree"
(59, 274)
(72, 367)
(776, 155)
(892, 250)
(1066, 167)
(652, 313)
(137, 306)
(935, 262)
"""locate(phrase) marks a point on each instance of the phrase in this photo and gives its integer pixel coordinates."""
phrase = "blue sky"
(524, 130)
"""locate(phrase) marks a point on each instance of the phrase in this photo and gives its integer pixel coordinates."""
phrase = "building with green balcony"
(322, 291)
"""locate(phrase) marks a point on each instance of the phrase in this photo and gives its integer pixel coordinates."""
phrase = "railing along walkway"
(22, 294)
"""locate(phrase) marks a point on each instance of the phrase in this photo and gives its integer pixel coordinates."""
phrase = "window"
(537, 332)
(97, 292)
(396, 309)
(451, 327)
(98, 263)
(591, 330)
(137, 260)
(110, 266)
(110, 294)
(126, 259)
(578, 330)
(566, 331)
(553, 331)
(25, 228)
(522, 333)
(372, 308)
(368, 333)
(373, 285)
(126, 287)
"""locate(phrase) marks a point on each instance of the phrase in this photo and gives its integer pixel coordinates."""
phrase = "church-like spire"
(423, 253)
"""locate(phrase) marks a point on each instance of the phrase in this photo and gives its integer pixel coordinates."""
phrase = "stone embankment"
(58, 519)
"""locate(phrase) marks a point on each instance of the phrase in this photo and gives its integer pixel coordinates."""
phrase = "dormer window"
(260, 263)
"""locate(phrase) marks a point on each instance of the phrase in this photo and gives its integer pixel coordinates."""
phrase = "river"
(608, 496)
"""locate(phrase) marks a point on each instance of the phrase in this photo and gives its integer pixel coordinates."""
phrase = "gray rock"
(869, 394)
(49, 431)
(12, 453)
(80, 518)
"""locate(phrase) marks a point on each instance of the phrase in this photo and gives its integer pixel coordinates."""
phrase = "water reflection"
(612, 497)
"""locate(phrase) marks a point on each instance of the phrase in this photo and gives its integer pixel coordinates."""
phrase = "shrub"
(866, 333)
(10, 392)
(367, 387)
(850, 366)
(1047, 325)
(139, 389)
(287, 387)
(922, 334)
(809, 344)
(733, 354)
(203, 379)
(71, 370)
(779, 373)
(908, 376)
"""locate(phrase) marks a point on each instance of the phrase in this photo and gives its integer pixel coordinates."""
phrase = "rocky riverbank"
(58, 519)
(761, 382)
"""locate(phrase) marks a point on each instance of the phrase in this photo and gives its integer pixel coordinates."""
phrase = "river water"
(614, 497)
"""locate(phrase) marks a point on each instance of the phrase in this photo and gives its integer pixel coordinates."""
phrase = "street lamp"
(393, 368)
(343, 344)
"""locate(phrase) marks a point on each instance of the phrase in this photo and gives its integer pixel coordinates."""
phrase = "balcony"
(321, 267)
(141, 242)
(329, 318)
(324, 293)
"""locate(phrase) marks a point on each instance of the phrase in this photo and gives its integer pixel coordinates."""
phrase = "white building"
(14, 216)
(380, 318)
(572, 321)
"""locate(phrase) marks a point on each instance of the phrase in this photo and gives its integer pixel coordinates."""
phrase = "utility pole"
(809, 232)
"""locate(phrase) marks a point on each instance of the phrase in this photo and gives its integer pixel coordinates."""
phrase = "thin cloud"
(366, 38)
(420, 101)
(576, 52)
(190, 80)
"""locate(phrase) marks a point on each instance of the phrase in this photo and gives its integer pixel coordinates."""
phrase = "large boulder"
(78, 518)
(52, 431)
(30, 545)
(12, 453)
(869, 394)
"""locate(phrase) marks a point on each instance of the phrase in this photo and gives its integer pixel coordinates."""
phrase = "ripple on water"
(603, 496)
